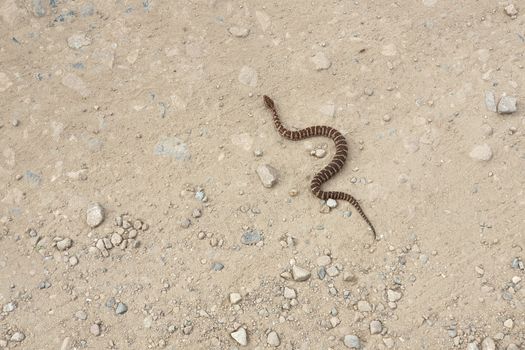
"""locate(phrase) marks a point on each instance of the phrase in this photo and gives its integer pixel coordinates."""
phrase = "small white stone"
(481, 152)
(320, 61)
(376, 327)
(235, 298)
(94, 215)
(332, 271)
(472, 346)
(239, 32)
(273, 339)
(508, 323)
(240, 336)
(511, 10)
(64, 244)
(320, 153)
(248, 76)
(73, 261)
(393, 295)
(332, 203)
(268, 175)
(364, 306)
(299, 274)
(289, 293)
(18, 337)
(116, 239)
(490, 101)
(327, 109)
(323, 260)
(95, 329)
(516, 279)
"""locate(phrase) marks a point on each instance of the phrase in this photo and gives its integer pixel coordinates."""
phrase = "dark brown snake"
(341, 152)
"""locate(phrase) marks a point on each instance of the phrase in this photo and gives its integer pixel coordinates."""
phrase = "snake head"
(269, 102)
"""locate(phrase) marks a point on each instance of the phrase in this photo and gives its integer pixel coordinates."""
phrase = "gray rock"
(9, 307)
(64, 244)
(87, 9)
(94, 214)
(490, 101)
(299, 274)
(240, 336)
(481, 152)
(507, 105)
(273, 339)
(251, 237)
(81, 315)
(217, 266)
(268, 175)
(321, 273)
(116, 239)
(172, 147)
(38, 8)
(332, 271)
(121, 309)
(323, 260)
(376, 327)
(331, 203)
(352, 342)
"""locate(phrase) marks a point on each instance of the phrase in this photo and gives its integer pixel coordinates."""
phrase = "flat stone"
(376, 327)
(481, 152)
(235, 298)
(268, 175)
(18, 337)
(81, 315)
(38, 8)
(323, 260)
(472, 346)
(328, 109)
(508, 323)
(352, 342)
(240, 336)
(248, 76)
(64, 244)
(320, 61)
(364, 306)
(217, 266)
(273, 339)
(299, 274)
(94, 214)
(490, 101)
(507, 105)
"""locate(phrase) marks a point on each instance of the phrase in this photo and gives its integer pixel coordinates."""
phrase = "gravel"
(376, 327)
(488, 344)
(507, 105)
(323, 260)
(121, 309)
(64, 244)
(289, 293)
(352, 342)
(300, 274)
(393, 295)
(273, 339)
(94, 215)
(235, 298)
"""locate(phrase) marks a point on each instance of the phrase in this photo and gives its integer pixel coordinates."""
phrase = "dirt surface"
(153, 109)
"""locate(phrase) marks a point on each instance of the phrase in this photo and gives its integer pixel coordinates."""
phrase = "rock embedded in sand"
(268, 175)
(481, 152)
(94, 215)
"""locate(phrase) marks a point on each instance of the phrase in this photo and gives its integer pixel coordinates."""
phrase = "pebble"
(321, 273)
(248, 76)
(511, 10)
(217, 266)
(235, 298)
(121, 309)
(251, 237)
(487, 130)
(76, 41)
(239, 32)
(332, 271)
(352, 342)
(240, 336)
(331, 203)
(18, 337)
(38, 8)
(490, 101)
(299, 274)
(289, 293)
(488, 344)
(268, 175)
(95, 329)
(389, 342)
(472, 346)
(508, 323)
(116, 239)
(323, 260)
(273, 339)
(73, 261)
(94, 214)
(393, 295)
(481, 152)
(64, 244)
(328, 110)
(197, 213)
(200, 196)
(507, 105)
(185, 223)
(364, 306)
(9, 307)
(376, 327)
(320, 61)
(368, 91)
(81, 315)
(516, 279)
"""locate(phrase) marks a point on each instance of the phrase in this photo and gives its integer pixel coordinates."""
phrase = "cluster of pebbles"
(123, 235)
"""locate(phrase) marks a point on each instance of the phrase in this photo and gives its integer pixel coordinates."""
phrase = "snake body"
(328, 171)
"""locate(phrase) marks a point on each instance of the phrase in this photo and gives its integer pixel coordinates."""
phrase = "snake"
(325, 174)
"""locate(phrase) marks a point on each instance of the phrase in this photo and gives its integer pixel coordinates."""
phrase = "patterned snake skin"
(332, 168)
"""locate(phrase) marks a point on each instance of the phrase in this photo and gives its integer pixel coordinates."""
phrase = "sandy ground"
(153, 109)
